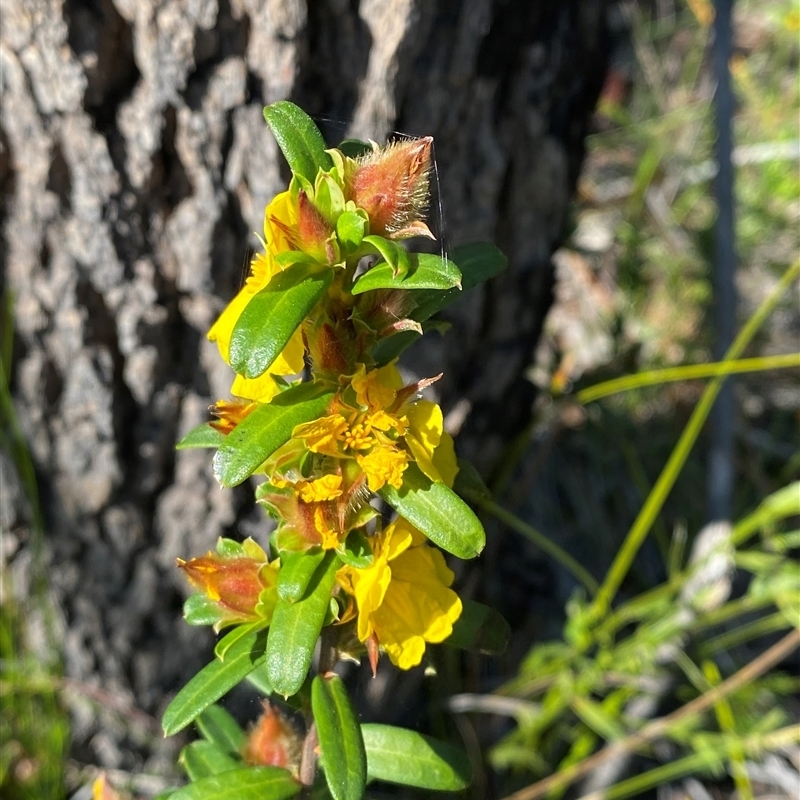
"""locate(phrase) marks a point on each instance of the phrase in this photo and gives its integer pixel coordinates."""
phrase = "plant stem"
(656, 377)
(308, 759)
(660, 727)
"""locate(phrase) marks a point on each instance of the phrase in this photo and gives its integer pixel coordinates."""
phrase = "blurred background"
(580, 138)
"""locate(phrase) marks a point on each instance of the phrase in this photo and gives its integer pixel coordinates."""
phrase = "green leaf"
(239, 632)
(479, 628)
(251, 783)
(271, 317)
(229, 548)
(425, 272)
(299, 139)
(390, 347)
(468, 481)
(354, 147)
(401, 756)
(295, 629)
(351, 228)
(221, 729)
(356, 551)
(296, 572)
(265, 429)
(340, 741)
(438, 512)
(477, 262)
(259, 680)
(199, 609)
(213, 681)
(202, 759)
(201, 436)
(395, 255)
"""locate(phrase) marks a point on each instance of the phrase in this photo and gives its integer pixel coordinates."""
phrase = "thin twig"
(660, 727)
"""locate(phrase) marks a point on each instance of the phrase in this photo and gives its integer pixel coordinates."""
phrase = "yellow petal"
(222, 330)
(262, 389)
(425, 425)
(327, 487)
(444, 459)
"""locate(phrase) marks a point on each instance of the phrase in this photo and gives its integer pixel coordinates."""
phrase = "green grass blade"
(666, 480)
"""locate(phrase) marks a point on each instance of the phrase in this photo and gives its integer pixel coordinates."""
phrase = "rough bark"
(134, 163)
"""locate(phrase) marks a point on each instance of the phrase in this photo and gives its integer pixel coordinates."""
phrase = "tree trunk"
(134, 164)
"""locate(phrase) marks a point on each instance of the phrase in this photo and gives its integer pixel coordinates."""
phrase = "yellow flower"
(325, 488)
(383, 465)
(403, 598)
(382, 432)
(279, 216)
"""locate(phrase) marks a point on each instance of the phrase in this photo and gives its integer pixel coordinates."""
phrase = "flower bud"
(314, 234)
(235, 583)
(273, 742)
(391, 185)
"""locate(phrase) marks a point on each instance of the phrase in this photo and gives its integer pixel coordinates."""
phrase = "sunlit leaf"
(295, 629)
(269, 320)
(340, 741)
(201, 436)
(425, 271)
(299, 139)
(213, 681)
(438, 512)
(401, 756)
(250, 783)
(202, 759)
(221, 729)
(265, 429)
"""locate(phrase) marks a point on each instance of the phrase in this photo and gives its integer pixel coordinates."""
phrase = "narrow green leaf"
(390, 347)
(425, 272)
(199, 609)
(296, 572)
(350, 230)
(299, 139)
(295, 629)
(202, 759)
(265, 429)
(340, 740)
(239, 632)
(355, 551)
(213, 681)
(354, 147)
(480, 628)
(201, 436)
(401, 756)
(395, 255)
(221, 729)
(477, 262)
(259, 680)
(268, 321)
(438, 512)
(250, 783)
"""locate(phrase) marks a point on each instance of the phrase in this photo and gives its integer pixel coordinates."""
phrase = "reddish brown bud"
(273, 742)
(391, 185)
(234, 583)
(314, 232)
